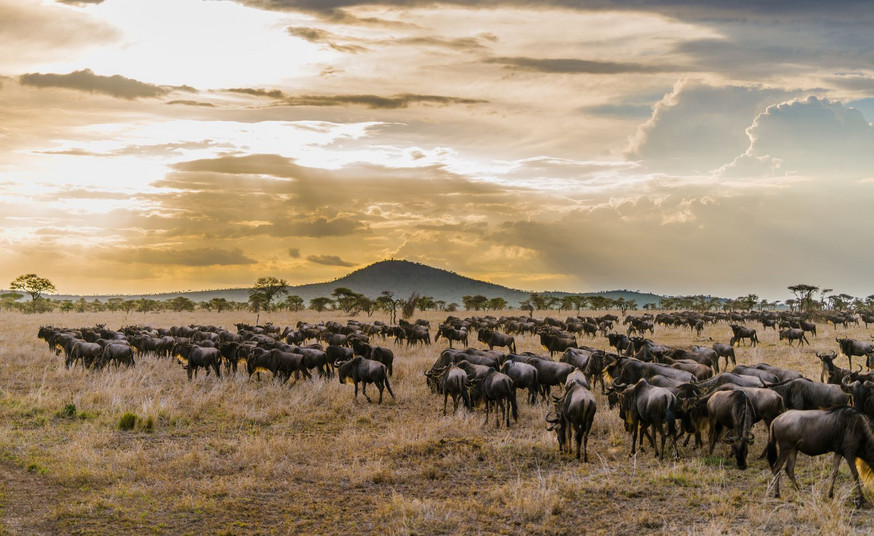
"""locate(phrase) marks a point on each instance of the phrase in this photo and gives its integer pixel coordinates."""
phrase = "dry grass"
(235, 456)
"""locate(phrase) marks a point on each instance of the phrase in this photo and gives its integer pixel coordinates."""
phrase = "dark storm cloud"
(329, 260)
(577, 66)
(85, 80)
(318, 228)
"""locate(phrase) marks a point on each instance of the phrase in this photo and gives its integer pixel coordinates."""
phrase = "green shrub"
(127, 421)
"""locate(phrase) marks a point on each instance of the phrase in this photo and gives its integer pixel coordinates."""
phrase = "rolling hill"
(399, 276)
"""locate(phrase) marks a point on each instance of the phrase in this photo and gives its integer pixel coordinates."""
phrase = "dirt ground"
(240, 456)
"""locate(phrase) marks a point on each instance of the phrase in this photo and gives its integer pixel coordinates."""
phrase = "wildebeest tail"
(771, 448)
(388, 386)
(671, 420)
(513, 405)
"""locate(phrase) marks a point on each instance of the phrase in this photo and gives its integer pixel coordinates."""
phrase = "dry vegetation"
(241, 457)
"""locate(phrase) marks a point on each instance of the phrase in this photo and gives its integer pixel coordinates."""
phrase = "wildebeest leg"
(836, 464)
(356, 390)
(860, 498)
(578, 437)
(364, 391)
(659, 428)
(634, 426)
(445, 399)
(790, 467)
(381, 386)
(715, 432)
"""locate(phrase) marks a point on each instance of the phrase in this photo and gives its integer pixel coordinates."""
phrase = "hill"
(399, 276)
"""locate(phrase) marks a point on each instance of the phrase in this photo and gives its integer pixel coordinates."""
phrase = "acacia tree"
(34, 285)
(267, 288)
(804, 294)
(321, 303)
(387, 302)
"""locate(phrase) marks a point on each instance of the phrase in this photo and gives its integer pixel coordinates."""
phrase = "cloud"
(192, 103)
(81, 2)
(393, 102)
(697, 128)
(319, 36)
(294, 253)
(318, 228)
(184, 257)
(578, 66)
(808, 137)
(85, 80)
(329, 260)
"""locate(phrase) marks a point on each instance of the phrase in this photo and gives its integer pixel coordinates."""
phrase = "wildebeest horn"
(848, 387)
(618, 386)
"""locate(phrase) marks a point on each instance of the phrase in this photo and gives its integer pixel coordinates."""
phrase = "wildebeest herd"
(663, 395)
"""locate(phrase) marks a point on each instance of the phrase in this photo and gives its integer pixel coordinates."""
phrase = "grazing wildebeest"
(574, 413)
(844, 431)
(451, 334)
(493, 338)
(734, 410)
(365, 371)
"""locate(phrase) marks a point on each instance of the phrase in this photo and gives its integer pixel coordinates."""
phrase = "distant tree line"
(272, 294)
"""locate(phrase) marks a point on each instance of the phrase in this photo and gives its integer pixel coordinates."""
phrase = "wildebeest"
(806, 394)
(86, 352)
(844, 431)
(451, 334)
(830, 372)
(493, 338)
(365, 371)
(454, 383)
(725, 351)
(643, 405)
(193, 357)
(574, 413)
(793, 334)
(524, 376)
(739, 333)
(851, 347)
(119, 354)
(494, 389)
(732, 409)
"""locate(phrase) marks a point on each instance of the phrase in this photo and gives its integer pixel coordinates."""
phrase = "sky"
(670, 146)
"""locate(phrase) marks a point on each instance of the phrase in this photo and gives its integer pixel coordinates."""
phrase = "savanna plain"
(240, 456)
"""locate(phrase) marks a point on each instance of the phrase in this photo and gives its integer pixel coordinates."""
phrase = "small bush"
(127, 421)
(148, 424)
(69, 411)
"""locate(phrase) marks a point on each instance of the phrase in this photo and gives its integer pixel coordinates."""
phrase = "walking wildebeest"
(844, 431)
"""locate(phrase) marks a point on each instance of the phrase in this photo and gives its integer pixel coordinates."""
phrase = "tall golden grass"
(238, 456)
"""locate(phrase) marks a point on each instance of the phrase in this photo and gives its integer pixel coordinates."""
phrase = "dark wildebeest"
(193, 357)
(494, 389)
(782, 374)
(86, 352)
(734, 410)
(451, 334)
(794, 334)
(764, 375)
(524, 376)
(365, 371)
(119, 354)
(453, 382)
(805, 394)
(725, 351)
(844, 431)
(851, 347)
(643, 405)
(808, 326)
(830, 372)
(574, 413)
(620, 341)
(742, 332)
(493, 338)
